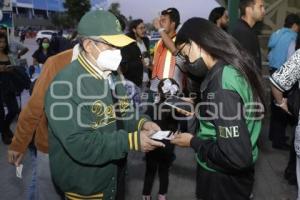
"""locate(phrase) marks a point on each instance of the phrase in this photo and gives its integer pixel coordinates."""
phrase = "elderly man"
(92, 125)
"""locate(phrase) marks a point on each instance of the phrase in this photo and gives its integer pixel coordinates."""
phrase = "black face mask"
(198, 68)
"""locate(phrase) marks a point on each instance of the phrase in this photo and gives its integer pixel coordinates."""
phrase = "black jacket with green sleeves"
(89, 130)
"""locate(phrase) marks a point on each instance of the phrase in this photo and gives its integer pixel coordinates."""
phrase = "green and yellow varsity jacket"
(86, 140)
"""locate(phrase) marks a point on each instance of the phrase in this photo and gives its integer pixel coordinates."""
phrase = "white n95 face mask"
(109, 60)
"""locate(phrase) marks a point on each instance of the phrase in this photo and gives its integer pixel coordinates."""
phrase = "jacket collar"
(91, 68)
(211, 74)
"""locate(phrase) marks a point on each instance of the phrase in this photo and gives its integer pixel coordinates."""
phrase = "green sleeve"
(85, 144)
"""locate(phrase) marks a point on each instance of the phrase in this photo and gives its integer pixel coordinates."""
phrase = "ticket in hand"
(19, 170)
(162, 135)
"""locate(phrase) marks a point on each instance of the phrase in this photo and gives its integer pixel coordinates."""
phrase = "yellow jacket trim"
(88, 67)
(136, 141)
(130, 141)
(75, 196)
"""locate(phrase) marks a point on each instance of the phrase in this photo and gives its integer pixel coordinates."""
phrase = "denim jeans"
(32, 192)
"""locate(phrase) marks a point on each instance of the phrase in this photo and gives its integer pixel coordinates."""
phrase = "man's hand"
(156, 23)
(15, 157)
(148, 144)
(182, 139)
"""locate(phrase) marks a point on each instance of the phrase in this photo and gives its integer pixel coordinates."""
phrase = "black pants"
(158, 160)
(290, 170)
(121, 179)
(10, 100)
(278, 123)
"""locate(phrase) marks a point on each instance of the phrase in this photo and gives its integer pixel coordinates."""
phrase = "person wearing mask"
(226, 143)
(252, 11)
(16, 49)
(219, 16)
(279, 49)
(282, 80)
(86, 160)
(43, 52)
(7, 91)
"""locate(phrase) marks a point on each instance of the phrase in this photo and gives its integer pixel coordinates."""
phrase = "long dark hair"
(216, 14)
(6, 49)
(41, 45)
(222, 46)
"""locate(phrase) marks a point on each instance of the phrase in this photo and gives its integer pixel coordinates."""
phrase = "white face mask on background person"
(109, 60)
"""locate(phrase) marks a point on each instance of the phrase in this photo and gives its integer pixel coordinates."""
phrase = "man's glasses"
(106, 43)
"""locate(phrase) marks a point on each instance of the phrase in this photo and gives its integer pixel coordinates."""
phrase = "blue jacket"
(279, 44)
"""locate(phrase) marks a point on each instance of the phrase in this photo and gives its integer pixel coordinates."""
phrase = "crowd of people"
(103, 94)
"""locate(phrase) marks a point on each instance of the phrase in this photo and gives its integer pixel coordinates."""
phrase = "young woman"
(226, 143)
(43, 52)
(40, 56)
(7, 91)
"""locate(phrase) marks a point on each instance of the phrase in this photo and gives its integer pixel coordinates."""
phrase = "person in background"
(281, 40)
(290, 170)
(282, 80)
(219, 16)
(252, 11)
(131, 64)
(32, 125)
(23, 36)
(165, 64)
(16, 49)
(279, 44)
(59, 43)
(226, 142)
(161, 159)
(39, 57)
(43, 52)
(7, 91)
(137, 31)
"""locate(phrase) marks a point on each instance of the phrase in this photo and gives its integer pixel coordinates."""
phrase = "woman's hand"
(284, 105)
(182, 139)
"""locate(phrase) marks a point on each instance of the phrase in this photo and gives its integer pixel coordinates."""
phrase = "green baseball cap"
(105, 26)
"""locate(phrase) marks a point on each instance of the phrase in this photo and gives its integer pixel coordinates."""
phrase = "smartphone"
(178, 103)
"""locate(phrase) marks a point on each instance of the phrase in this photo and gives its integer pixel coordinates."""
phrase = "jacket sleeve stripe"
(136, 141)
(130, 141)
